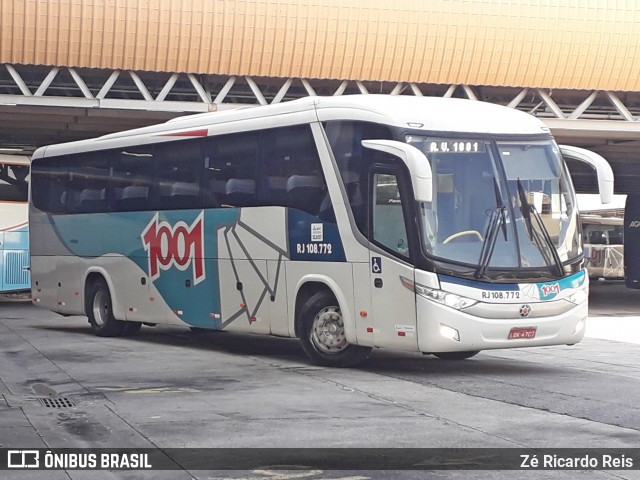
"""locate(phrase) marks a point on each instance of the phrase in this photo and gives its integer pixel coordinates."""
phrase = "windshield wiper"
(496, 220)
(491, 236)
(539, 236)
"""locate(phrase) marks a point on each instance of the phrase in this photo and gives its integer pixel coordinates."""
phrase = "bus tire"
(322, 333)
(100, 311)
(456, 355)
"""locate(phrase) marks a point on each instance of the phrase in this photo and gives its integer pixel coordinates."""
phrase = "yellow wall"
(587, 44)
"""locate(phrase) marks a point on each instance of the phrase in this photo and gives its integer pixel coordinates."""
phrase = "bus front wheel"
(100, 311)
(322, 333)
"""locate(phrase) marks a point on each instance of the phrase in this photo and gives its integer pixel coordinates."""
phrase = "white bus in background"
(442, 226)
(603, 238)
(14, 227)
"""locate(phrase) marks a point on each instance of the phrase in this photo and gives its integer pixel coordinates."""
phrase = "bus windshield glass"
(498, 205)
(14, 184)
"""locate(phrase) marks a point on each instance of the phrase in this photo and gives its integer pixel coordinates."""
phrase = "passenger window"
(231, 169)
(132, 179)
(178, 169)
(88, 178)
(354, 162)
(389, 229)
(291, 171)
(49, 178)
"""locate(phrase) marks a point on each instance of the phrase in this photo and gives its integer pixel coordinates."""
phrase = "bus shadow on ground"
(384, 362)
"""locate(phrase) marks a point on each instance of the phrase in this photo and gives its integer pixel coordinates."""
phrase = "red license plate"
(528, 332)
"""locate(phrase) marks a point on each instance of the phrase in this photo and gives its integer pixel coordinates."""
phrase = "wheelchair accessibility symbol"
(376, 265)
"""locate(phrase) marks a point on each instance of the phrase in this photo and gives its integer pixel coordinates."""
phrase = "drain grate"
(56, 402)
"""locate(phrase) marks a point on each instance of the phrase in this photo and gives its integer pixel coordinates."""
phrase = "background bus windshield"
(14, 185)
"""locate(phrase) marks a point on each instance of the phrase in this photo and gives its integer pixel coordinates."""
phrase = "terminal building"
(78, 69)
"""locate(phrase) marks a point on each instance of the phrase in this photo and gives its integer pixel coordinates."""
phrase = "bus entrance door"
(393, 304)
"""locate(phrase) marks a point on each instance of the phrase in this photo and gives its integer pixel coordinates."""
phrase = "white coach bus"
(442, 226)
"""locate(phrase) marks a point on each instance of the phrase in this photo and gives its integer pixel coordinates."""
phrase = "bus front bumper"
(444, 329)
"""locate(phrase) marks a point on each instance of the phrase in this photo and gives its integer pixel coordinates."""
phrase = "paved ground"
(170, 388)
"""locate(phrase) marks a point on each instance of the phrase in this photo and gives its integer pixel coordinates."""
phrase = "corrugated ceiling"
(582, 44)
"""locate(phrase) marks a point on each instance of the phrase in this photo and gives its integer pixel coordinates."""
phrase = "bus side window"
(88, 178)
(354, 161)
(388, 224)
(177, 169)
(132, 179)
(49, 179)
(291, 174)
(230, 169)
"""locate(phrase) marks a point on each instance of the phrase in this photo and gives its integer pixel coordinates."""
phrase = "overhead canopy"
(584, 44)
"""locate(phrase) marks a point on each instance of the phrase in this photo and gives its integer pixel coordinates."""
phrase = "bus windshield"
(498, 205)
(14, 184)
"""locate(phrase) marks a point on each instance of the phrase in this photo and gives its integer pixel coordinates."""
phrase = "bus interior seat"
(213, 197)
(134, 197)
(240, 192)
(277, 190)
(182, 195)
(93, 200)
(305, 192)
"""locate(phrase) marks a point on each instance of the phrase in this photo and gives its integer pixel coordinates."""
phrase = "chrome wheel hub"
(327, 333)
(101, 308)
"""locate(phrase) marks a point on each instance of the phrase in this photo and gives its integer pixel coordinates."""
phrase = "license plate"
(528, 332)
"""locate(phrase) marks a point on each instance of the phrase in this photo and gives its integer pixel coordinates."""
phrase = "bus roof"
(450, 115)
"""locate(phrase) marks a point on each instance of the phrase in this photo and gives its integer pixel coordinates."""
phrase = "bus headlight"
(445, 298)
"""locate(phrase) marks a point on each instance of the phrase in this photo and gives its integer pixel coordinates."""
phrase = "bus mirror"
(598, 163)
(414, 159)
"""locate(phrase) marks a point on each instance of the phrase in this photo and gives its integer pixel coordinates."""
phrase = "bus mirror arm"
(598, 163)
(414, 159)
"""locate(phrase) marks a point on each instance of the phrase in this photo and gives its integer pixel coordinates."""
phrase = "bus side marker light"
(133, 309)
(76, 293)
(369, 330)
(363, 314)
(62, 304)
(151, 299)
(36, 300)
(449, 332)
(214, 315)
(243, 305)
(178, 312)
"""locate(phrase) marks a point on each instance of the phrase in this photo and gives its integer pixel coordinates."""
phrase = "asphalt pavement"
(171, 388)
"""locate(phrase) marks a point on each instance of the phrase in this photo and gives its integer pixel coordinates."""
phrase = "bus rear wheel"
(100, 311)
(456, 355)
(322, 333)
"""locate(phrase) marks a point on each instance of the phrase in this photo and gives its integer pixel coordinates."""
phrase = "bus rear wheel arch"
(99, 309)
(320, 327)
